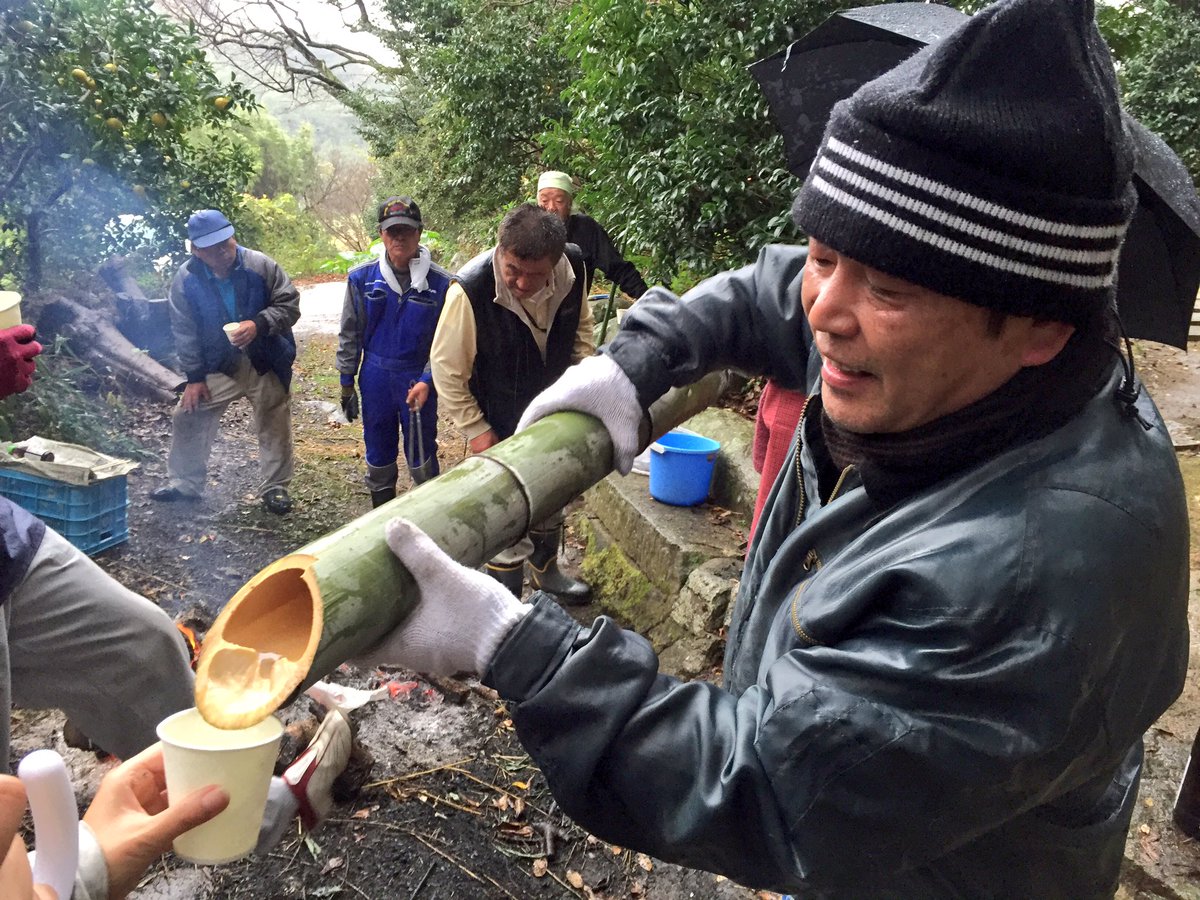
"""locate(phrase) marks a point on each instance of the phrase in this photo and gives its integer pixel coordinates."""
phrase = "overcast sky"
(325, 22)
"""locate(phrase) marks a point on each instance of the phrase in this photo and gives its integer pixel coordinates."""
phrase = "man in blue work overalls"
(388, 319)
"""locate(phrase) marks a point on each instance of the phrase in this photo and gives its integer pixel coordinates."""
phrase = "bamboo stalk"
(308, 612)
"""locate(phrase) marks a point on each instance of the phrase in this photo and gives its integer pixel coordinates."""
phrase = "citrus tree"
(112, 129)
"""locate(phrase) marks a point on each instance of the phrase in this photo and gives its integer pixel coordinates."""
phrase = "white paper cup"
(10, 309)
(240, 760)
(229, 328)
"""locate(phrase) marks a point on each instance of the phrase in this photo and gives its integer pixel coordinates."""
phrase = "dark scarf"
(1033, 403)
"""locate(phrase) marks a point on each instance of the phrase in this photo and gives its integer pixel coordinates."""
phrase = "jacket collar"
(201, 267)
(418, 270)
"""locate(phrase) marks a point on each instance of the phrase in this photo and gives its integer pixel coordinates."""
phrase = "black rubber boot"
(382, 496)
(512, 577)
(545, 575)
(381, 482)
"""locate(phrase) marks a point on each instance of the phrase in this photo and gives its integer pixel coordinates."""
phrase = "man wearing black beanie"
(966, 599)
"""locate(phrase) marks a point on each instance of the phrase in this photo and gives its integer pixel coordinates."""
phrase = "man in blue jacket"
(967, 598)
(388, 319)
(232, 312)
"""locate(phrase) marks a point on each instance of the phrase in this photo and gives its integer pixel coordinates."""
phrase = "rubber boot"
(512, 577)
(381, 482)
(545, 575)
(382, 496)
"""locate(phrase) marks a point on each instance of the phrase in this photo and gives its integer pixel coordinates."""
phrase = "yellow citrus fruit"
(88, 161)
(80, 75)
(110, 67)
(159, 119)
(185, 184)
(221, 102)
(114, 123)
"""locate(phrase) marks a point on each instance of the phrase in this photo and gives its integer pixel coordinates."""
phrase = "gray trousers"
(192, 433)
(73, 638)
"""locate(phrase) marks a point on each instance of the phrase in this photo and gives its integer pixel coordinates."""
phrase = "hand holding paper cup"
(229, 328)
(10, 309)
(240, 760)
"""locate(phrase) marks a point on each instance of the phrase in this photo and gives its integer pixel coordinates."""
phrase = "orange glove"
(17, 350)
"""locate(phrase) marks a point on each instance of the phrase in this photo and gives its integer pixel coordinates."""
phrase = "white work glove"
(461, 618)
(599, 387)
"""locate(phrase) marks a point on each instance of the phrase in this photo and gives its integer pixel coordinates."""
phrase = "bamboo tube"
(308, 612)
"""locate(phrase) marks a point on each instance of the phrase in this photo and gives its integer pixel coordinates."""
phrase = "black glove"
(349, 402)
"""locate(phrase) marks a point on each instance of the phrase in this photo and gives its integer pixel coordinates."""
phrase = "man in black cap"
(967, 598)
(232, 312)
(391, 309)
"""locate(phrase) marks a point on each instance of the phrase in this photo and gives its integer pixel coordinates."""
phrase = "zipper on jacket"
(794, 615)
(799, 466)
(837, 487)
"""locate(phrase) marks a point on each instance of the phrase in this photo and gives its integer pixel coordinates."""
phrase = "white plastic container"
(241, 760)
(10, 309)
(55, 820)
(229, 328)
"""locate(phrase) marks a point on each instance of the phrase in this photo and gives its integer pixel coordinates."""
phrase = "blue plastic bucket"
(681, 468)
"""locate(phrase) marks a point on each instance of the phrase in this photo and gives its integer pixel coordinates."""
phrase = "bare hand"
(417, 395)
(16, 880)
(243, 334)
(193, 395)
(133, 823)
(488, 439)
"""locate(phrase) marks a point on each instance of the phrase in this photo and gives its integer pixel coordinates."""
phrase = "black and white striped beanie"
(992, 166)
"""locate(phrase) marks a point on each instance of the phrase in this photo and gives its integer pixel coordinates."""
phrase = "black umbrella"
(1159, 270)
(803, 82)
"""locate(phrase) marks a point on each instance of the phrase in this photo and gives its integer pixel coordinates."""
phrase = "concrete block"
(663, 542)
(692, 657)
(704, 602)
(619, 588)
(735, 483)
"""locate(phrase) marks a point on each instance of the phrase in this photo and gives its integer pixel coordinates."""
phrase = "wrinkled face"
(555, 200)
(402, 243)
(896, 355)
(219, 257)
(525, 277)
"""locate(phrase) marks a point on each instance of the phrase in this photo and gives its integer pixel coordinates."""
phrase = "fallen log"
(93, 337)
(117, 277)
(304, 614)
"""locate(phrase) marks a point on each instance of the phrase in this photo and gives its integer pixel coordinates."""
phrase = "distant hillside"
(333, 124)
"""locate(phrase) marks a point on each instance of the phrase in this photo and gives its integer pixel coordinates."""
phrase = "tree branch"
(268, 42)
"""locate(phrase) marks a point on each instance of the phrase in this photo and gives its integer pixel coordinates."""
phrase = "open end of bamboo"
(261, 646)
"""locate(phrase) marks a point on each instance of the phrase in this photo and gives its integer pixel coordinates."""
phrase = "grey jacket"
(944, 698)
